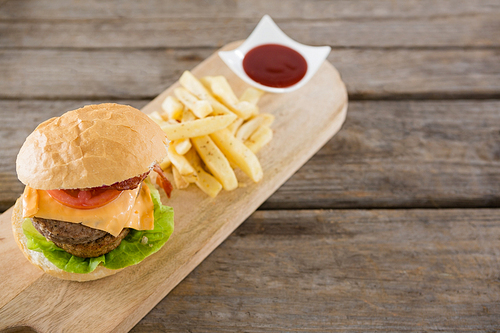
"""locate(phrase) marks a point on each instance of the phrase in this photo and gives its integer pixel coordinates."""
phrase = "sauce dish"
(267, 32)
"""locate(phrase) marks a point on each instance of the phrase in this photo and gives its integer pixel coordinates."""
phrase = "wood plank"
(142, 74)
(93, 74)
(403, 154)
(171, 9)
(388, 154)
(356, 270)
(118, 302)
(481, 30)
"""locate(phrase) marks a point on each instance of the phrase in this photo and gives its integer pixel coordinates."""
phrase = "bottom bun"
(38, 259)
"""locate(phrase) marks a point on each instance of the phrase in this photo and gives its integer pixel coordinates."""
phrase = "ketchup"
(274, 65)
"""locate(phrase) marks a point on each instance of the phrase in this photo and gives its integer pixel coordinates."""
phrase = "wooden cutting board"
(305, 120)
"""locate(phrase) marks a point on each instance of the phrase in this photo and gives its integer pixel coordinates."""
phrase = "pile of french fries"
(212, 133)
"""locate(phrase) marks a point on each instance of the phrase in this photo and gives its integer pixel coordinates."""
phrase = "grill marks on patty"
(77, 239)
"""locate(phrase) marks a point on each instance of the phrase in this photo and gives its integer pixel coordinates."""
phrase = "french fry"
(233, 127)
(201, 108)
(219, 108)
(259, 139)
(187, 115)
(165, 163)
(246, 108)
(215, 161)
(198, 127)
(182, 146)
(268, 119)
(251, 95)
(179, 180)
(191, 83)
(156, 117)
(248, 128)
(206, 182)
(221, 89)
(182, 165)
(212, 132)
(238, 153)
(172, 107)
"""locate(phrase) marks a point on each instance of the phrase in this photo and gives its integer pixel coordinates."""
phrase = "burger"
(89, 207)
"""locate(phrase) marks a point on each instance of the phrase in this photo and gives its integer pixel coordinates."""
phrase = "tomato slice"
(84, 198)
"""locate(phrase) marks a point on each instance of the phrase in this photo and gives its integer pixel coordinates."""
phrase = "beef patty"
(77, 239)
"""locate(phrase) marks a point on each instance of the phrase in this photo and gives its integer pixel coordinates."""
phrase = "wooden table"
(392, 225)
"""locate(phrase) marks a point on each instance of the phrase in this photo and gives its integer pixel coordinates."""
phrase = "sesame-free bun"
(89, 147)
(38, 259)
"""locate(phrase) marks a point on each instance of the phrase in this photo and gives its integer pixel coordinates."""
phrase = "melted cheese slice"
(132, 209)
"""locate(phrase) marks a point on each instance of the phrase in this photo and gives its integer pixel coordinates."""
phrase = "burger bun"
(92, 146)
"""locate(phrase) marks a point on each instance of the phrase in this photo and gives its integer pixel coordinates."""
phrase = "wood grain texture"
(355, 270)
(480, 30)
(118, 302)
(404, 154)
(143, 74)
(389, 154)
(290, 9)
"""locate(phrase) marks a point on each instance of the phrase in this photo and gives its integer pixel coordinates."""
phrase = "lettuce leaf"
(136, 246)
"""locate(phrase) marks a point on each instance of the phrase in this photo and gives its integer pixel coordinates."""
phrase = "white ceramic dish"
(267, 32)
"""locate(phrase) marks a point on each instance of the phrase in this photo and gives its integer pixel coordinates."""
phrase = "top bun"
(89, 147)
